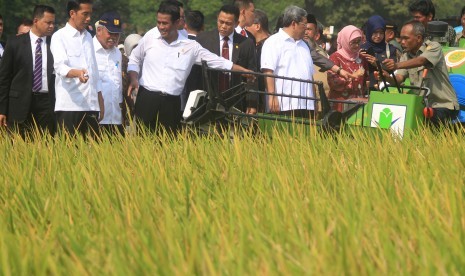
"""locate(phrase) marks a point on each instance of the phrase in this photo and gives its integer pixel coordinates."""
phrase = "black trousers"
(40, 117)
(112, 129)
(299, 113)
(155, 109)
(78, 122)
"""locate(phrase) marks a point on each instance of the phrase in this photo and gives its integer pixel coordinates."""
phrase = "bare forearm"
(133, 76)
(411, 63)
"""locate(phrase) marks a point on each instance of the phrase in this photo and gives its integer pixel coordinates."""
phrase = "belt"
(39, 93)
(164, 94)
(160, 93)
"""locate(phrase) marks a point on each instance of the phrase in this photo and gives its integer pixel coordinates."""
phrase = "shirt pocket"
(74, 57)
(181, 62)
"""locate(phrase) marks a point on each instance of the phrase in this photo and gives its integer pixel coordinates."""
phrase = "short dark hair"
(195, 20)
(75, 5)
(417, 28)
(39, 11)
(240, 4)
(424, 7)
(462, 12)
(230, 9)
(279, 23)
(172, 8)
(262, 19)
(1, 17)
(25, 22)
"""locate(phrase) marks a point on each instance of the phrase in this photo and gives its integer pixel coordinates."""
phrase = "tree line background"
(140, 15)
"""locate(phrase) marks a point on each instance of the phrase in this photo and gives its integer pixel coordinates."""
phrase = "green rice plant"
(296, 202)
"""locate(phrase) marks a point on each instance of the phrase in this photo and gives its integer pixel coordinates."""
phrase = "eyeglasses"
(355, 42)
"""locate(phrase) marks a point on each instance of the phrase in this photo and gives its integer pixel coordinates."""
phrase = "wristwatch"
(338, 72)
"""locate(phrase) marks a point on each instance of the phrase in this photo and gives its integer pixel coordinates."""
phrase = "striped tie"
(37, 76)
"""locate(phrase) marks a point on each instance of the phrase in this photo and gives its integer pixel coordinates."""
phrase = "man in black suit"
(26, 83)
(239, 49)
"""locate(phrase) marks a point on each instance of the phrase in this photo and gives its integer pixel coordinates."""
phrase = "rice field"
(292, 204)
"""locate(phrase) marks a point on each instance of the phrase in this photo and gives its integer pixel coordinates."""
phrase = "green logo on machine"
(385, 118)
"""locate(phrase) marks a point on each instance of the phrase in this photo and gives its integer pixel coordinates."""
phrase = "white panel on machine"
(193, 101)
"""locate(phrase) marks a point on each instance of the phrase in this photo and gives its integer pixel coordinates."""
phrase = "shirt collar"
(239, 29)
(97, 45)
(71, 31)
(230, 37)
(421, 50)
(180, 38)
(34, 37)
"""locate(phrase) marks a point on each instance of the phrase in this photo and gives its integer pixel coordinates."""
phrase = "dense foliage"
(140, 14)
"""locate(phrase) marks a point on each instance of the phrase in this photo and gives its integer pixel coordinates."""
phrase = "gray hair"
(293, 13)
(417, 28)
(262, 19)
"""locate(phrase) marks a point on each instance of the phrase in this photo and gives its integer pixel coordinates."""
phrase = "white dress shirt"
(1, 50)
(72, 49)
(165, 67)
(109, 70)
(289, 58)
(43, 46)
(230, 44)
(239, 30)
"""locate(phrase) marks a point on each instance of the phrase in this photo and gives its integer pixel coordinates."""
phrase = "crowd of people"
(73, 81)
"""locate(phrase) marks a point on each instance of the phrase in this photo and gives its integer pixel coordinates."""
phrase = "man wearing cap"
(77, 84)
(391, 34)
(109, 59)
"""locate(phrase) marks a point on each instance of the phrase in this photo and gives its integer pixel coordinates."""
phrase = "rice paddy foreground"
(291, 204)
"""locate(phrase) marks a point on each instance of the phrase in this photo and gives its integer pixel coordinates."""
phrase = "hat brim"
(112, 29)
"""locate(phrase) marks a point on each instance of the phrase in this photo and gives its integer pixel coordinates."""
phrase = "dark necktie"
(37, 74)
(243, 33)
(224, 77)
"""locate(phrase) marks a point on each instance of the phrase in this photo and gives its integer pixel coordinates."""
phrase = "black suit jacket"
(16, 78)
(243, 54)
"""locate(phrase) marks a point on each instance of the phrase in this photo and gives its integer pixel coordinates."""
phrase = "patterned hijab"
(345, 36)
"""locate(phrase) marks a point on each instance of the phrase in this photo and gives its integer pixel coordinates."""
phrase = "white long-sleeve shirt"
(109, 69)
(165, 67)
(72, 49)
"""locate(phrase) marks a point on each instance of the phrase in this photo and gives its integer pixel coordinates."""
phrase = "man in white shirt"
(109, 61)
(77, 85)
(27, 88)
(164, 58)
(286, 54)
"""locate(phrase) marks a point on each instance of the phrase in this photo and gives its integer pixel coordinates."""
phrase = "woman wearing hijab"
(376, 48)
(347, 57)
